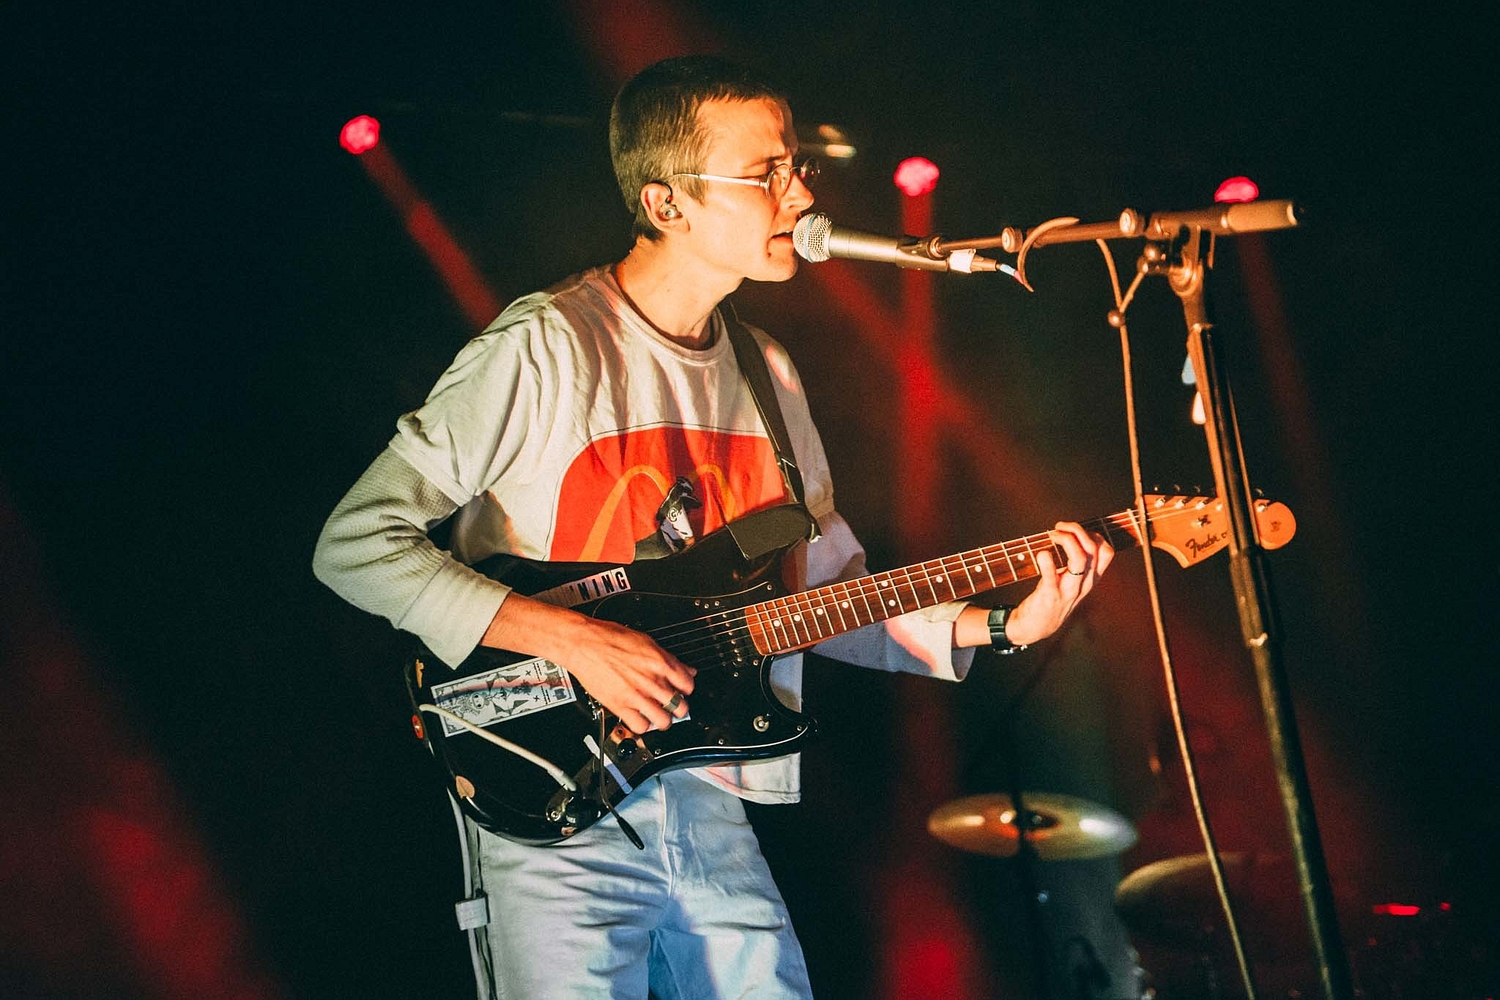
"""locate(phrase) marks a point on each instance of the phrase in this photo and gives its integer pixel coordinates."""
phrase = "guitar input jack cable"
(557, 773)
(599, 765)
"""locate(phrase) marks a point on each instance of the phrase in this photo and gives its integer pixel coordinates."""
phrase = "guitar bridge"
(625, 752)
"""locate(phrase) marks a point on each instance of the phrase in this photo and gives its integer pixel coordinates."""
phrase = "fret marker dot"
(819, 611)
(844, 605)
(796, 618)
(891, 603)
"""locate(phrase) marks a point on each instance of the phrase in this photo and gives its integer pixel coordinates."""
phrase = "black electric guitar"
(532, 757)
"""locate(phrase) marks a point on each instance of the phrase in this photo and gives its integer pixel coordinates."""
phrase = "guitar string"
(734, 624)
(866, 587)
(791, 614)
(739, 625)
(930, 574)
(883, 591)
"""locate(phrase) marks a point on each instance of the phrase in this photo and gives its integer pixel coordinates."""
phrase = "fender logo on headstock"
(1177, 525)
(1199, 549)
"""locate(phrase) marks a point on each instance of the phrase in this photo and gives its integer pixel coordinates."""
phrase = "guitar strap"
(752, 363)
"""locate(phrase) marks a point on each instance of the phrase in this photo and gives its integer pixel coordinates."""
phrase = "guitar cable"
(603, 797)
(1169, 669)
(473, 891)
(558, 774)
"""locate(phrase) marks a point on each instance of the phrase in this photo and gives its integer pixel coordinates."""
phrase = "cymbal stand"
(1026, 857)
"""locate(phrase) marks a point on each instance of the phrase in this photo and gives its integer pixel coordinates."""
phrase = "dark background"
(212, 317)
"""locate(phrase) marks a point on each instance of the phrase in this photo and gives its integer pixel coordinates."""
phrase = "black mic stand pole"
(1186, 273)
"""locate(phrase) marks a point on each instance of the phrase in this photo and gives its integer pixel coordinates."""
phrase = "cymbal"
(1173, 902)
(1061, 828)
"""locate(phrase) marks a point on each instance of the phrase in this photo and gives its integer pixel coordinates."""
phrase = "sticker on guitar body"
(504, 693)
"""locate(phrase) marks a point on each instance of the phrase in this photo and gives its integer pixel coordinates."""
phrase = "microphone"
(816, 239)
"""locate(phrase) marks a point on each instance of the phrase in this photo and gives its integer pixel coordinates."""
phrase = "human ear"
(664, 213)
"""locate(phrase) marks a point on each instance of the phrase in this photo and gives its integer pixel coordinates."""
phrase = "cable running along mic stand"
(1175, 248)
(1181, 259)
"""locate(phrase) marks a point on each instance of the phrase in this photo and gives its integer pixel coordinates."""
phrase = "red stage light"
(360, 134)
(1396, 910)
(916, 176)
(1237, 189)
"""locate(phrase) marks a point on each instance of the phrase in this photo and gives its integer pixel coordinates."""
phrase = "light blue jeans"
(695, 916)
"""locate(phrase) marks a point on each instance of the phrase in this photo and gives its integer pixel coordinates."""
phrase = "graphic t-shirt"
(560, 429)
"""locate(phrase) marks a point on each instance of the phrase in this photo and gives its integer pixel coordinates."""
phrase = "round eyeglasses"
(775, 182)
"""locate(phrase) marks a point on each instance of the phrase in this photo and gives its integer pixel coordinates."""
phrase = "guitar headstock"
(1194, 528)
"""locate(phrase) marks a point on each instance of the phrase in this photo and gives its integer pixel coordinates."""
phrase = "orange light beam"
(1287, 384)
(998, 461)
(919, 465)
(453, 265)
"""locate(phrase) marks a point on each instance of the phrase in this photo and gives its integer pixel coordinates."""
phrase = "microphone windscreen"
(810, 237)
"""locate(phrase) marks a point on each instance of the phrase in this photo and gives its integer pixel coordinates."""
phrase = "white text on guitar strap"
(590, 588)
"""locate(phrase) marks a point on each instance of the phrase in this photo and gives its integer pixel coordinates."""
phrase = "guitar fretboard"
(800, 620)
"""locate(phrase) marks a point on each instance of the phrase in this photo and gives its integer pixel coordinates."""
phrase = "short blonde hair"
(654, 131)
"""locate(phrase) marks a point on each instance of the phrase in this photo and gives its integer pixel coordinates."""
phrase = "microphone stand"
(1186, 272)
(1176, 252)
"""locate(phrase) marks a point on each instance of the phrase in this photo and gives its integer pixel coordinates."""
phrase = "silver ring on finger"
(671, 706)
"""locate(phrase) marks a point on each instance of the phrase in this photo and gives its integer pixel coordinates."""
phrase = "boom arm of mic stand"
(1228, 219)
(1225, 219)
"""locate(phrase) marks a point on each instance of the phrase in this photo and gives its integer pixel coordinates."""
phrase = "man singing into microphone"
(555, 435)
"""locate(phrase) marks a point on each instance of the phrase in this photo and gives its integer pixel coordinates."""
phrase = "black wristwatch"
(999, 641)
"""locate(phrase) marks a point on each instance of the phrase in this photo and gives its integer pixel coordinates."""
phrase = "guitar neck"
(800, 620)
